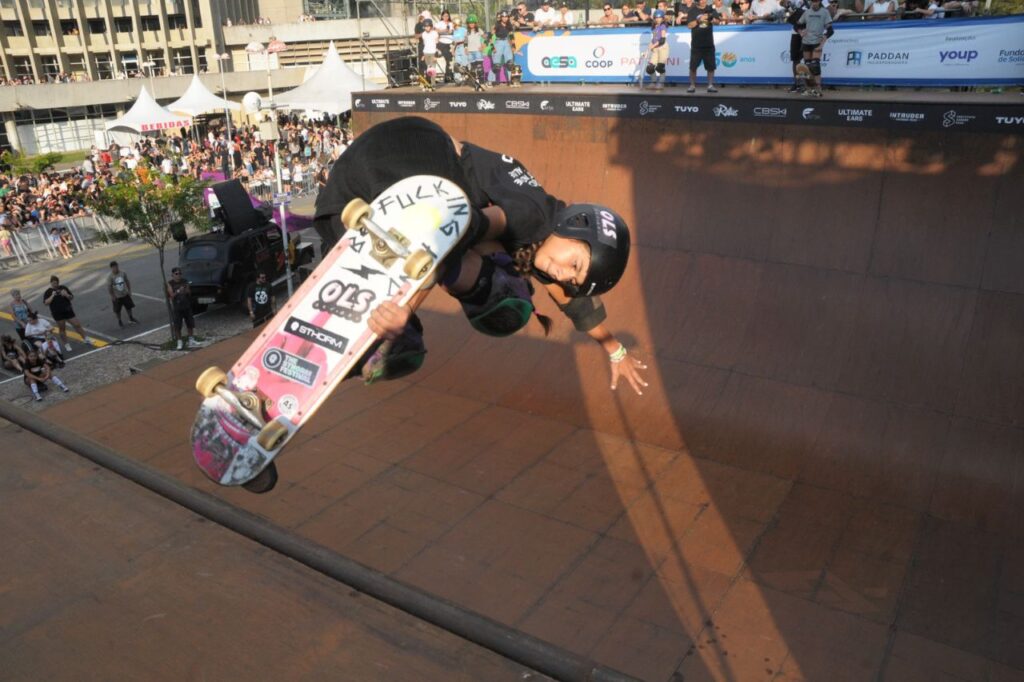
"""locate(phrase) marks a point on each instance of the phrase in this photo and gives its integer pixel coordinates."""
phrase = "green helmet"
(471, 19)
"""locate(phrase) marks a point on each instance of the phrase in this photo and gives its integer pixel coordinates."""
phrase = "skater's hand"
(389, 320)
(628, 367)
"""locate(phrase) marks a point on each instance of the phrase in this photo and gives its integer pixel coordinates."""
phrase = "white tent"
(328, 89)
(199, 100)
(145, 116)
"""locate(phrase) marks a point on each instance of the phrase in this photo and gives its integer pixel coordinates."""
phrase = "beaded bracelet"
(619, 355)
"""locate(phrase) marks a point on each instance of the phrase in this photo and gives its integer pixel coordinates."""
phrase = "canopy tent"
(199, 100)
(145, 116)
(329, 88)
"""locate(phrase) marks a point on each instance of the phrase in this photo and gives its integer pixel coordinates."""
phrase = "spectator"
(565, 17)
(59, 298)
(445, 28)
(475, 47)
(20, 312)
(522, 18)
(39, 336)
(701, 20)
(764, 11)
(740, 12)
(817, 23)
(180, 294)
(682, 10)
(629, 14)
(58, 243)
(259, 299)
(501, 58)
(429, 39)
(37, 373)
(459, 47)
(546, 16)
(643, 15)
(794, 10)
(843, 8)
(6, 240)
(14, 356)
(882, 9)
(658, 49)
(608, 19)
(120, 290)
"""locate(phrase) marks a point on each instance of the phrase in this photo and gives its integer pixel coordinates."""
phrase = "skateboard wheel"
(418, 264)
(209, 380)
(271, 435)
(264, 481)
(353, 213)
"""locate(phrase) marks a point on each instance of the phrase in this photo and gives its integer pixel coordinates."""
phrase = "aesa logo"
(957, 56)
(559, 62)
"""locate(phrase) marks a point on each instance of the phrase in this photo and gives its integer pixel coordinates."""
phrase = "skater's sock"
(60, 384)
(35, 389)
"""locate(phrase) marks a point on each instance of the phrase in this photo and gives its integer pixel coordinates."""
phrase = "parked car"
(220, 266)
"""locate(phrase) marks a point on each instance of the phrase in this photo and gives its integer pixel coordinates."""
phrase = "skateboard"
(426, 82)
(471, 75)
(515, 76)
(391, 250)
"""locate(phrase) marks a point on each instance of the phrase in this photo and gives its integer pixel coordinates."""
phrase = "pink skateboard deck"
(249, 413)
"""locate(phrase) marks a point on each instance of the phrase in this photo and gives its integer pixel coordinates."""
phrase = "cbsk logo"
(598, 62)
(347, 301)
(558, 62)
(957, 56)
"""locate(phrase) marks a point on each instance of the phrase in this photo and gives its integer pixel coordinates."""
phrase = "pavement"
(824, 480)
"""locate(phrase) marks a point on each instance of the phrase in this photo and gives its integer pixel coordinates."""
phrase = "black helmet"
(608, 237)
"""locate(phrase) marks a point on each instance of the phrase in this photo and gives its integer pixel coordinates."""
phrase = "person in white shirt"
(565, 17)
(764, 11)
(430, 39)
(546, 15)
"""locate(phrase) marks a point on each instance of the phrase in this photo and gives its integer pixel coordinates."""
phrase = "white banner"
(920, 52)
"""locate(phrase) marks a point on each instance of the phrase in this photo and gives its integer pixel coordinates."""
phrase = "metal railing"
(33, 243)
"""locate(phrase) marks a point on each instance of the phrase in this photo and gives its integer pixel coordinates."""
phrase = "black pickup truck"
(219, 266)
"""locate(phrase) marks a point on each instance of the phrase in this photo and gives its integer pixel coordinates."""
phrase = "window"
(197, 16)
(157, 57)
(203, 68)
(97, 26)
(41, 28)
(122, 24)
(49, 64)
(68, 27)
(104, 68)
(176, 21)
(150, 23)
(182, 61)
(76, 63)
(13, 28)
(22, 67)
(129, 62)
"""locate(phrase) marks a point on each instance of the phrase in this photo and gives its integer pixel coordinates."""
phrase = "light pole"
(222, 59)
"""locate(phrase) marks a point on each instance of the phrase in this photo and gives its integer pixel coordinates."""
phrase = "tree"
(34, 165)
(153, 207)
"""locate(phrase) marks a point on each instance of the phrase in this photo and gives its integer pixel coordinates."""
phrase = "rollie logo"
(723, 111)
(484, 105)
(347, 301)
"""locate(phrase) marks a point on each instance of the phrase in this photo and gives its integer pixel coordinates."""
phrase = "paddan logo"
(559, 62)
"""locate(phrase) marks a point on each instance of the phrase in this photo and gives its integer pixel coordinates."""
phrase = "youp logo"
(957, 56)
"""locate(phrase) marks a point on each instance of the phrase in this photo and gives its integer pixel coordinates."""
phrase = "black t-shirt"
(702, 34)
(60, 305)
(180, 298)
(502, 31)
(793, 17)
(259, 296)
(38, 370)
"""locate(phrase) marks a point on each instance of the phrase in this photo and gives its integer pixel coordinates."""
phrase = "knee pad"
(650, 69)
(815, 66)
(661, 69)
(500, 302)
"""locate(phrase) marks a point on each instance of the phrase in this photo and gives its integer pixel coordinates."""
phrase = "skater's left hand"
(389, 320)
(628, 367)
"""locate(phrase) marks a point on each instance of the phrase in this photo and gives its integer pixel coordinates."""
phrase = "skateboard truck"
(213, 381)
(356, 216)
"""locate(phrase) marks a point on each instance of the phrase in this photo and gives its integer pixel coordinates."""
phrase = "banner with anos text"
(944, 52)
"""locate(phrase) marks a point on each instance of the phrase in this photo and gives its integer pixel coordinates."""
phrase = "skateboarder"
(658, 49)
(517, 231)
(817, 23)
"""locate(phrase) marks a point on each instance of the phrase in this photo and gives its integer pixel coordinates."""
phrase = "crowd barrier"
(32, 244)
(922, 53)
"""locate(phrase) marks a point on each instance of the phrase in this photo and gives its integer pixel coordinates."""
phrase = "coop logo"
(686, 109)
(347, 301)
(855, 115)
(484, 105)
(458, 104)
(957, 56)
(724, 111)
(1011, 56)
(906, 116)
(291, 367)
(951, 119)
(558, 62)
(381, 103)
(545, 105)
(359, 103)
(598, 61)
(406, 103)
(614, 107)
(578, 105)
(429, 104)
(771, 112)
(810, 114)
(321, 337)
(518, 104)
(648, 108)
(1010, 120)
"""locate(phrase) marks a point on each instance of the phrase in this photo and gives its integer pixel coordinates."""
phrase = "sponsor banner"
(924, 53)
(795, 110)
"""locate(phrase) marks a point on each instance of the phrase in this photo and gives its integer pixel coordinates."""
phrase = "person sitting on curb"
(37, 373)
